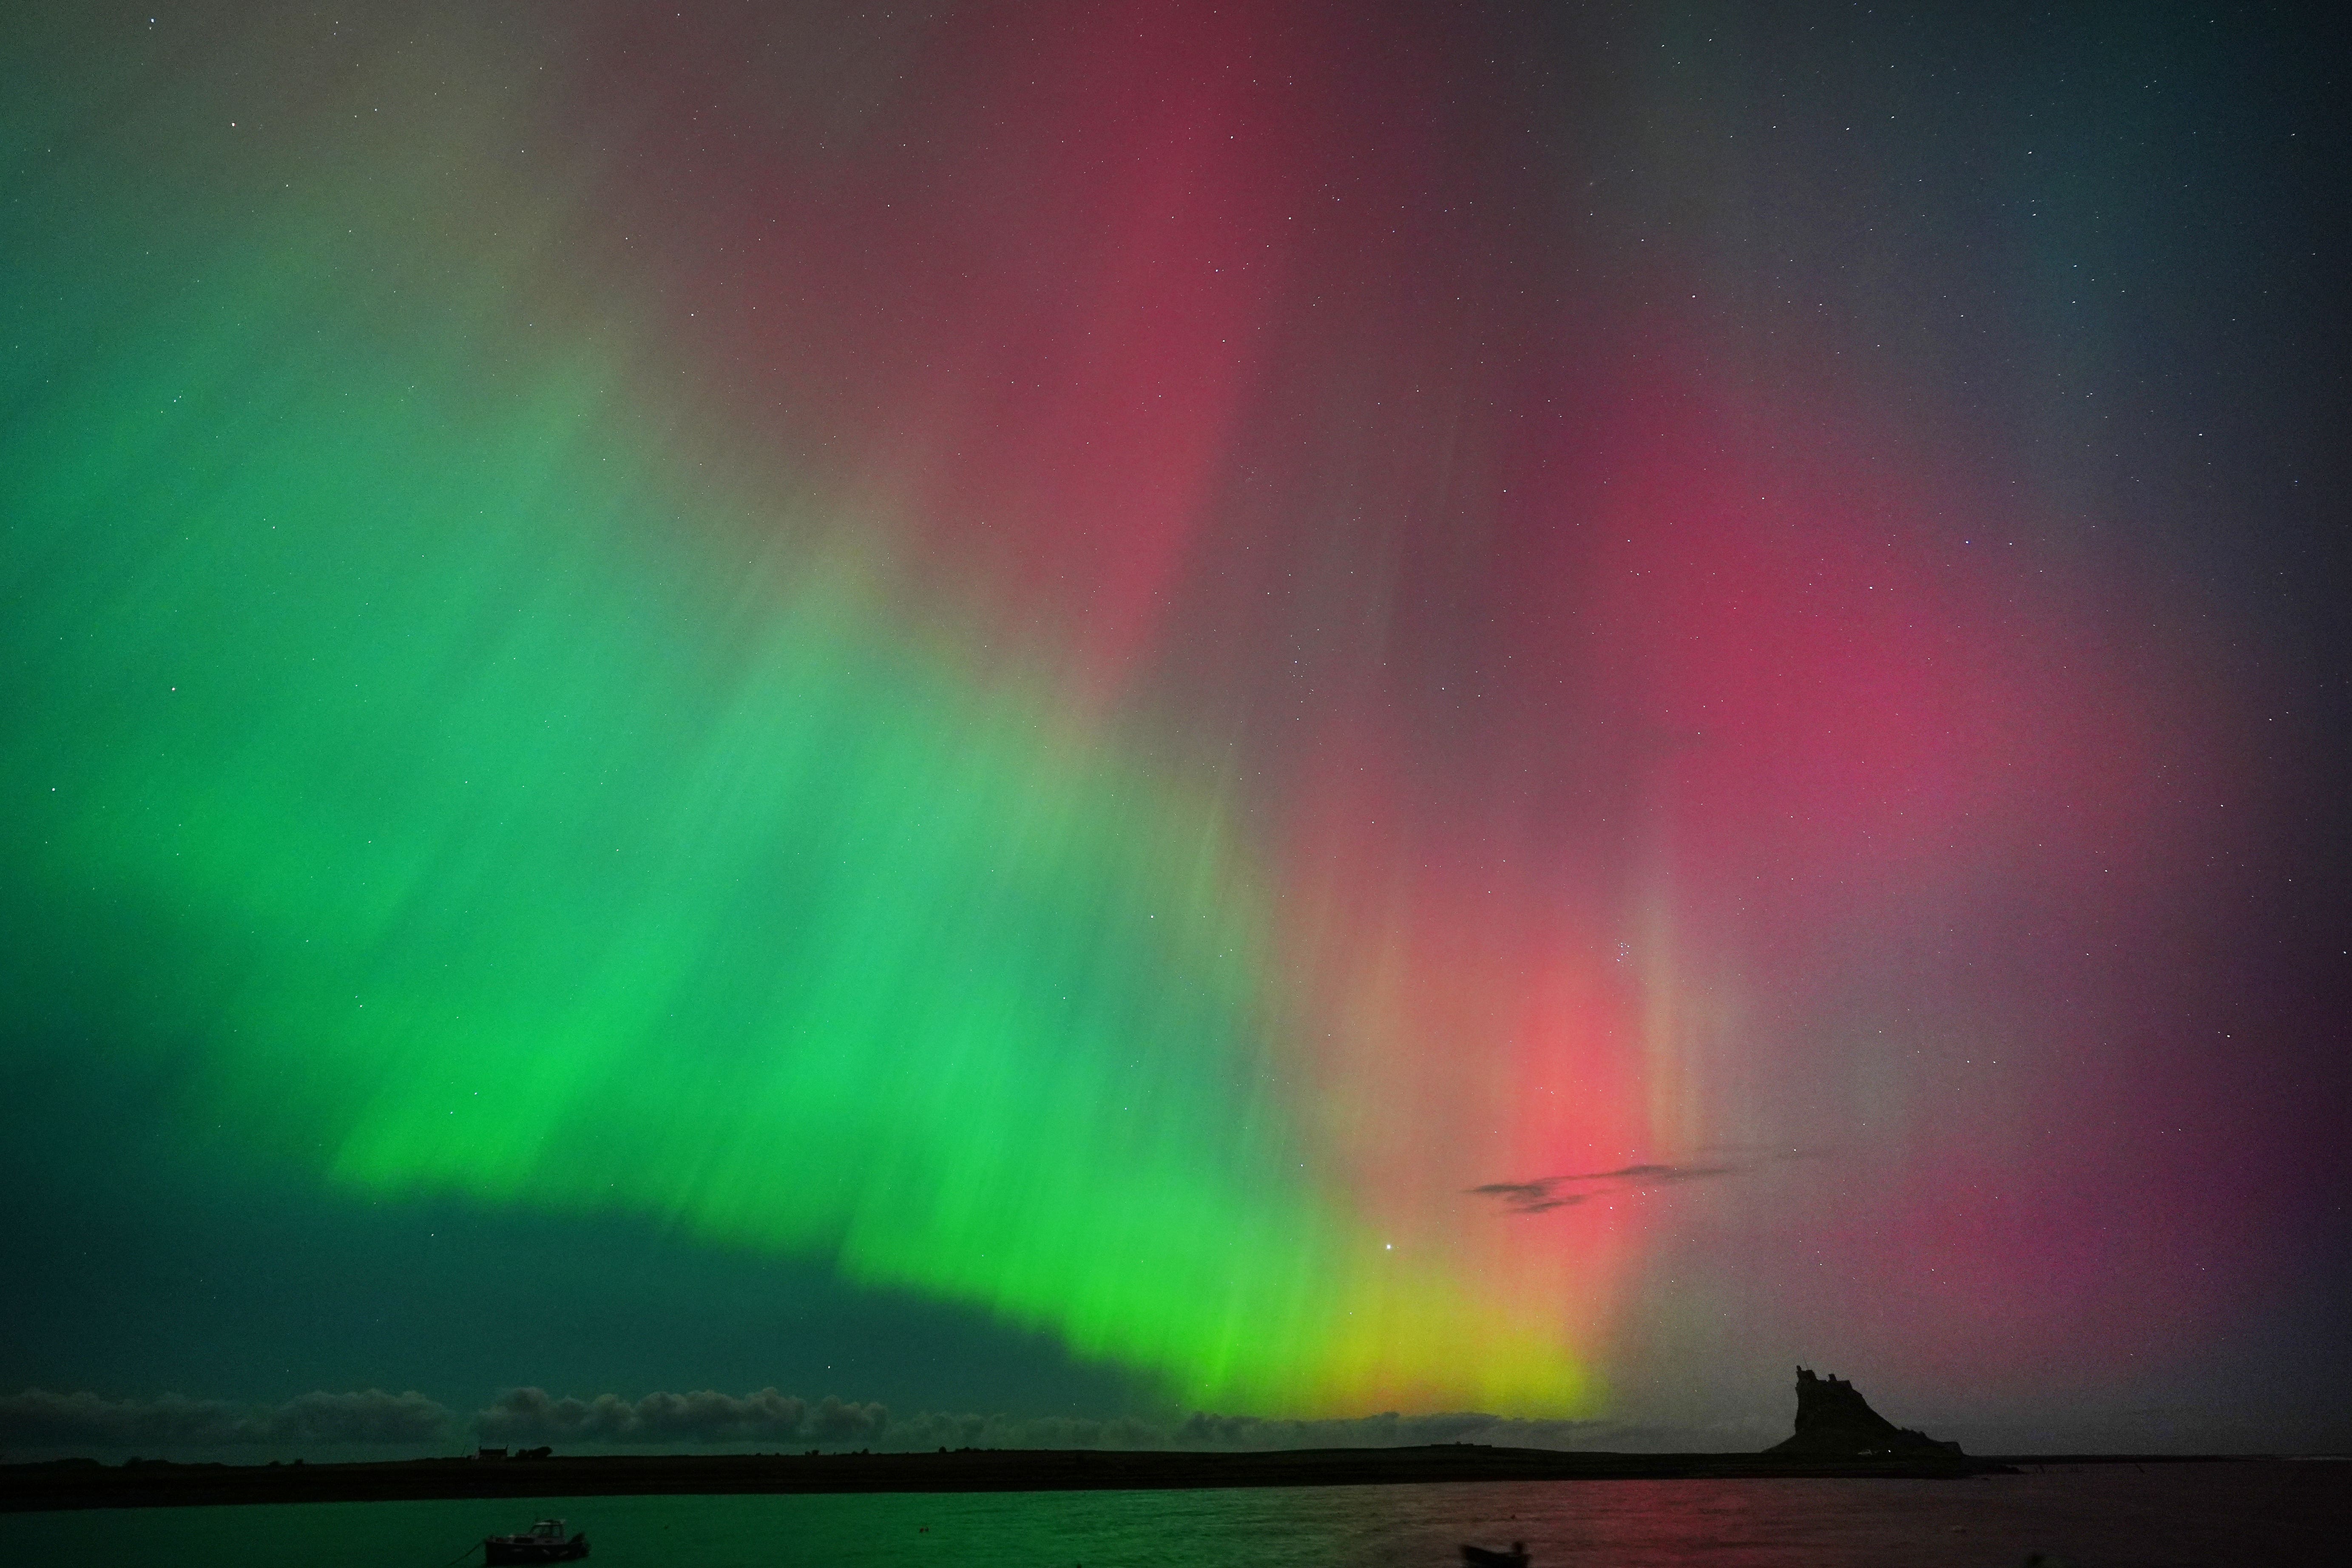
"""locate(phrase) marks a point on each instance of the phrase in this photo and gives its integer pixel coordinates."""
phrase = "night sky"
(1085, 712)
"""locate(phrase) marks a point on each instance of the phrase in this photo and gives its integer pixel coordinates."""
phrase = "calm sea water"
(2103, 1516)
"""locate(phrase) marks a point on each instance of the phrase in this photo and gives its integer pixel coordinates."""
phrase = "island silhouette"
(1834, 1421)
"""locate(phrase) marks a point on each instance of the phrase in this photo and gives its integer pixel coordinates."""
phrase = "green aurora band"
(466, 807)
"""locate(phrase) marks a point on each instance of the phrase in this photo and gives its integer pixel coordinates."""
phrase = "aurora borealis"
(1062, 670)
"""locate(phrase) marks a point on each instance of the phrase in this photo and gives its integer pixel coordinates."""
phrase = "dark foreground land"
(83, 1483)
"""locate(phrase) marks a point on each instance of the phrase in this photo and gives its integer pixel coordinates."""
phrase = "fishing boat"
(544, 1541)
(1479, 1557)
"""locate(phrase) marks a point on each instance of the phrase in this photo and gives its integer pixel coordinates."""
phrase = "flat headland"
(153, 1483)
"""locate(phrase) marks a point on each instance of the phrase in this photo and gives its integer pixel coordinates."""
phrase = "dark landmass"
(84, 1483)
(1837, 1436)
(1833, 1421)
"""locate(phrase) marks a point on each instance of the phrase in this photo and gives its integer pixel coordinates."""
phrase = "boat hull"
(1479, 1557)
(495, 1552)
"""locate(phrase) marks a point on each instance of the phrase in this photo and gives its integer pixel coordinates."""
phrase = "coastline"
(68, 1484)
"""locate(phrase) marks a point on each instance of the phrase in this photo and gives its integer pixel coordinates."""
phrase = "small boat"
(544, 1541)
(1479, 1557)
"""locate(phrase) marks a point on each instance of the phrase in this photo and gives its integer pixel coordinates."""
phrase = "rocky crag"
(1833, 1421)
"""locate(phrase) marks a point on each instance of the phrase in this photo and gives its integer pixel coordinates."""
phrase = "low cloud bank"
(531, 1416)
(1203, 1430)
(1386, 1431)
(39, 1419)
(85, 1423)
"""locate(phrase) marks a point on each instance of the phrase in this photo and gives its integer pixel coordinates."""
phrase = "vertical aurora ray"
(500, 827)
(1083, 667)
(752, 920)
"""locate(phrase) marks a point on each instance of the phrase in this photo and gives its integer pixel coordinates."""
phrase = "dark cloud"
(531, 1416)
(1547, 1193)
(39, 1419)
(1662, 1175)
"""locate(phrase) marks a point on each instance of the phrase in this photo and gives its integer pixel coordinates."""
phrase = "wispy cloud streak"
(1541, 1194)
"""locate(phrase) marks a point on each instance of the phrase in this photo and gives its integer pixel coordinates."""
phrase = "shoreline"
(73, 1484)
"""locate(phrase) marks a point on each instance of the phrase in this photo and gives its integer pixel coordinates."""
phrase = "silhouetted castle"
(1834, 1420)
